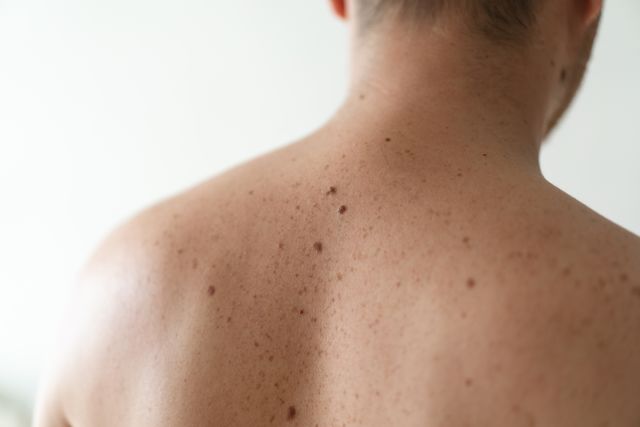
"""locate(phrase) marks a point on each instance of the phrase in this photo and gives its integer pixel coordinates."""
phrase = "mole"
(291, 413)
(342, 209)
(317, 246)
(332, 190)
(563, 75)
(466, 240)
(388, 139)
(484, 154)
(468, 382)
(471, 283)
(211, 290)
(280, 245)
(301, 312)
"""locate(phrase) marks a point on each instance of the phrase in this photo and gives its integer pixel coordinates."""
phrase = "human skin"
(406, 264)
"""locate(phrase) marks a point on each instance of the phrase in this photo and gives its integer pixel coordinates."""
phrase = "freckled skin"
(434, 300)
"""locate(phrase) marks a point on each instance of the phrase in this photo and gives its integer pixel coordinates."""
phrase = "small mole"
(317, 246)
(228, 319)
(471, 283)
(388, 139)
(466, 240)
(484, 154)
(256, 344)
(468, 382)
(332, 190)
(301, 312)
(271, 358)
(563, 75)
(459, 174)
(291, 414)
(342, 209)
(280, 245)
(251, 192)
(211, 290)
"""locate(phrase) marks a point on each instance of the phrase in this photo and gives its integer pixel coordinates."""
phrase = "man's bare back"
(394, 268)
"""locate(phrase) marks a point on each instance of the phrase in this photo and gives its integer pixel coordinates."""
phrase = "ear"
(590, 11)
(340, 8)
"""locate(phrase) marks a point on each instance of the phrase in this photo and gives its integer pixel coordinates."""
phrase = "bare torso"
(329, 284)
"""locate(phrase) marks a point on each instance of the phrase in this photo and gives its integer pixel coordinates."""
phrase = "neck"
(464, 98)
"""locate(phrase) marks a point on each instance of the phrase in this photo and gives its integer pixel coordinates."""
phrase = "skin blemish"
(459, 174)
(301, 312)
(291, 413)
(362, 97)
(342, 210)
(466, 240)
(317, 246)
(229, 319)
(636, 291)
(471, 283)
(180, 251)
(251, 192)
(194, 264)
(484, 155)
(468, 382)
(388, 139)
(624, 278)
(332, 190)
(211, 290)
(563, 75)
(280, 245)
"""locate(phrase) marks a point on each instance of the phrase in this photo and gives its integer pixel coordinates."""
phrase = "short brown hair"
(498, 19)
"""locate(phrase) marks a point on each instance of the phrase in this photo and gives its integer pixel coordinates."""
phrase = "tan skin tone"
(405, 265)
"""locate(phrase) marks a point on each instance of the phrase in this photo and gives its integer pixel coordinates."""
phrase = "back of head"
(500, 20)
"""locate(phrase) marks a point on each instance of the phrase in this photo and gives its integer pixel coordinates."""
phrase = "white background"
(109, 105)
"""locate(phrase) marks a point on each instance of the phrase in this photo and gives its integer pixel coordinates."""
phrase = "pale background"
(109, 105)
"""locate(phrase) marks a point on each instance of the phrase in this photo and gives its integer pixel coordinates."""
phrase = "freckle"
(624, 278)
(563, 75)
(471, 283)
(280, 245)
(317, 246)
(211, 290)
(251, 192)
(398, 284)
(314, 320)
(636, 291)
(566, 272)
(228, 319)
(180, 251)
(459, 174)
(362, 96)
(194, 263)
(466, 240)
(339, 276)
(468, 382)
(332, 190)
(291, 414)
(273, 417)
(342, 209)
(256, 344)
(271, 358)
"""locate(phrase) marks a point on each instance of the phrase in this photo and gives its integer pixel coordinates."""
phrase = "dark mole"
(211, 290)
(388, 139)
(332, 190)
(301, 312)
(484, 154)
(342, 209)
(317, 246)
(563, 75)
(291, 414)
(471, 283)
